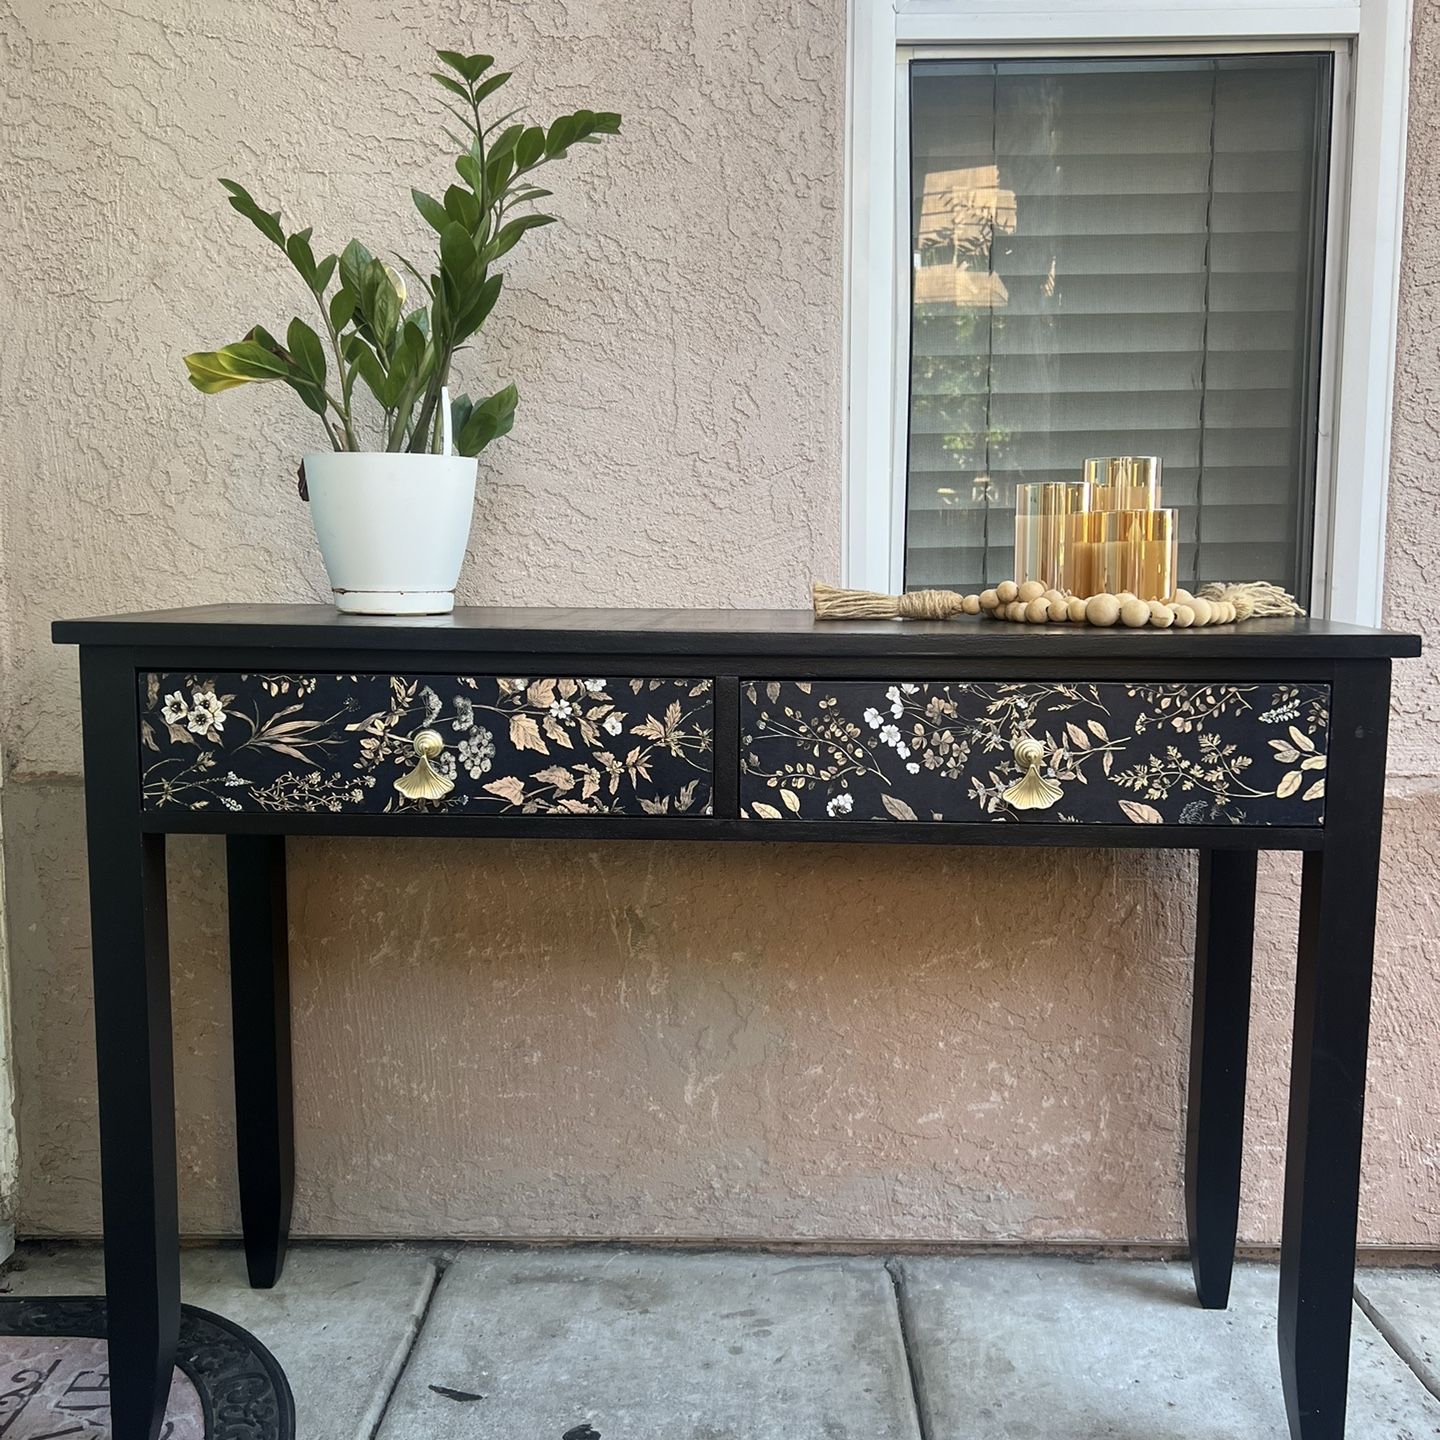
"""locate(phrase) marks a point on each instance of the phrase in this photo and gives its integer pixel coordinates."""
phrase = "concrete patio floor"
(472, 1343)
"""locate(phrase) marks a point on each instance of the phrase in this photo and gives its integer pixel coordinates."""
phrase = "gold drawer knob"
(1032, 791)
(425, 782)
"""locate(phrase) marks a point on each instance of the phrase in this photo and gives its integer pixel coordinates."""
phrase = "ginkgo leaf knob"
(425, 782)
(1032, 791)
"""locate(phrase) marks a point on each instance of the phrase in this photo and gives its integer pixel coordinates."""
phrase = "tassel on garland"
(1219, 603)
(1255, 598)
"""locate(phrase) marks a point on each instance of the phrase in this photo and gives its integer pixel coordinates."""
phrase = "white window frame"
(1371, 41)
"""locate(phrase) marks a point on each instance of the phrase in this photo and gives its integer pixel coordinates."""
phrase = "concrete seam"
(1392, 1337)
(374, 1420)
(906, 1321)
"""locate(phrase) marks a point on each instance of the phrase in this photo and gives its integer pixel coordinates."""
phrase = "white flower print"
(432, 704)
(897, 705)
(890, 734)
(841, 804)
(902, 749)
(177, 708)
(595, 687)
(872, 718)
(913, 768)
(613, 723)
(477, 751)
(560, 709)
(464, 714)
(908, 688)
(206, 713)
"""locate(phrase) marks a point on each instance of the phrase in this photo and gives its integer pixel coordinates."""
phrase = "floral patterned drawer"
(1118, 752)
(548, 746)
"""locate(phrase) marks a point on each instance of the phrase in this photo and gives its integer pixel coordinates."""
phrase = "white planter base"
(392, 529)
(394, 602)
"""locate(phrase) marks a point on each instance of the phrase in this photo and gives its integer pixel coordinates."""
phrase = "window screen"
(1116, 257)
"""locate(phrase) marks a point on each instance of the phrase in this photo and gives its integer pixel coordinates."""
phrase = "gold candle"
(1082, 570)
(1142, 552)
(1042, 512)
(1123, 482)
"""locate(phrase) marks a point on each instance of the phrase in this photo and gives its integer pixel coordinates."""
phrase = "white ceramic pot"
(392, 528)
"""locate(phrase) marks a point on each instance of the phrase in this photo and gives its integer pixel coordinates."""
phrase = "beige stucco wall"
(564, 1038)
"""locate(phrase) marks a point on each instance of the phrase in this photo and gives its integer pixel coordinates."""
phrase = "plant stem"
(346, 378)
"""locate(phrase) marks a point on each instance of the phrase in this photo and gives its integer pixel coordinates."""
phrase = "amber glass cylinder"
(1083, 555)
(1123, 482)
(1142, 552)
(1042, 512)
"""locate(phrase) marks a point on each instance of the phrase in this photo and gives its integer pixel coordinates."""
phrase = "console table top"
(533, 631)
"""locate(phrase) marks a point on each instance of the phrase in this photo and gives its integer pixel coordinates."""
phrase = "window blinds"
(1116, 257)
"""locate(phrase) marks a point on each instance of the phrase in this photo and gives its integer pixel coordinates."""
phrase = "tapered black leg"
(129, 946)
(1327, 1088)
(1219, 1037)
(260, 1005)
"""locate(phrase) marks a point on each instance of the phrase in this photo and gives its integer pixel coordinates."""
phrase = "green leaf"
(381, 302)
(509, 234)
(477, 65)
(462, 207)
(431, 209)
(475, 308)
(309, 353)
(342, 307)
(509, 139)
(212, 371)
(530, 147)
(483, 92)
(561, 133)
(323, 271)
(267, 222)
(297, 247)
(487, 421)
(354, 262)
(453, 86)
(498, 169)
(454, 59)
(468, 168)
(457, 253)
(365, 363)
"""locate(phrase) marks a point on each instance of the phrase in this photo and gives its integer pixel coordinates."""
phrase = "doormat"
(55, 1380)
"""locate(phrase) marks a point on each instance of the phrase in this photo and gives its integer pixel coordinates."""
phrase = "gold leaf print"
(1142, 814)
(792, 801)
(898, 808)
(1302, 741)
(525, 734)
(1316, 791)
(1289, 785)
(509, 788)
(765, 812)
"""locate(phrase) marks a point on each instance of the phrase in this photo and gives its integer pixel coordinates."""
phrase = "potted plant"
(392, 498)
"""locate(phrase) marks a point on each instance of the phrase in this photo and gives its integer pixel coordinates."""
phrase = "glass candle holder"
(1123, 482)
(1082, 569)
(1042, 512)
(1141, 552)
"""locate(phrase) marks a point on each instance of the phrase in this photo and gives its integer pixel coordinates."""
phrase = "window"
(1115, 257)
(1148, 241)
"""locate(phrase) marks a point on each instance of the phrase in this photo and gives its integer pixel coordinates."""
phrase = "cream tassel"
(1257, 598)
(833, 603)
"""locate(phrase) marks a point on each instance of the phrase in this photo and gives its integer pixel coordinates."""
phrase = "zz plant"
(404, 359)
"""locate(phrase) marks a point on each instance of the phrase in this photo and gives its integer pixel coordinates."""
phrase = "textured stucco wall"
(566, 1038)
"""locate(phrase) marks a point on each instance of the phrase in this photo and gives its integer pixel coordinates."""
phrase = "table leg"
(1327, 1087)
(260, 1008)
(1219, 1038)
(130, 950)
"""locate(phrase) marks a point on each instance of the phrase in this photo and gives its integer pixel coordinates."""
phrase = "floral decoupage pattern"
(515, 746)
(1122, 752)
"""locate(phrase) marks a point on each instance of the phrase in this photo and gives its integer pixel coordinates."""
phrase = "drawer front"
(548, 746)
(1174, 754)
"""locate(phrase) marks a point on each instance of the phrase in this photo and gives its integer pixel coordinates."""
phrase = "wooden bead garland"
(1031, 603)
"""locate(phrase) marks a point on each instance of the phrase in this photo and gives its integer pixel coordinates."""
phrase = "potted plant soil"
(392, 497)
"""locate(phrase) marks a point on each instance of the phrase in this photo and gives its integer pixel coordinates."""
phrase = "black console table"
(258, 722)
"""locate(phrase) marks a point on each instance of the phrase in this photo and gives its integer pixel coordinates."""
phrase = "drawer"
(309, 742)
(1117, 751)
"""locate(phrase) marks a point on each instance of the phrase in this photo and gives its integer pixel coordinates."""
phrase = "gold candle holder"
(1042, 513)
(1082, 570)
(1123, 482)
(1141, 552)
